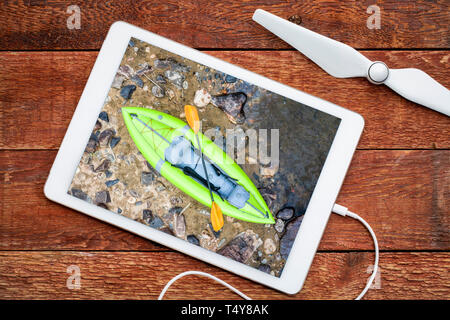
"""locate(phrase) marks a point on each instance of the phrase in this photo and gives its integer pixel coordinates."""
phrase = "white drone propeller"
(342, 61)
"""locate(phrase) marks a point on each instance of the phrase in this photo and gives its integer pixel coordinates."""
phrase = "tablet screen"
(260, 153)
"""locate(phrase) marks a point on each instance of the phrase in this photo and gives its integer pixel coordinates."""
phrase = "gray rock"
(156, 222)
(125, 71)
(175, 77)
(179, 224)
(110, 183)
(147, 216)
(138, 81)
(103, 116)
(163, 63)
(106, 136)
(158, 91)
(127, 91)
(160, 79)
(97, 126)
(103, 166)
(117, 82)
(92, 144)
(285, 213)
(230, 79)
(193, 239)
(114, 141)
(289, 236)
(147, 178)
(102, 197)
(232, 104)
(79, 194)
(279, 226)
(241, 248)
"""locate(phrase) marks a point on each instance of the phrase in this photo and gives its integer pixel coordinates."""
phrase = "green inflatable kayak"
(170, 146)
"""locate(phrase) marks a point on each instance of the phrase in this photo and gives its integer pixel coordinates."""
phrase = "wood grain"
(142, 275)
(42, 25)
(403, 194)
(40, 91)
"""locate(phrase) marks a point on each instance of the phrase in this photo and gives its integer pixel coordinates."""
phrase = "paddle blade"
(192, 117)
(216, 217)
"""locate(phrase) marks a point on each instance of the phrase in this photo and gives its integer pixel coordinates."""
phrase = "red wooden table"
(399, 179)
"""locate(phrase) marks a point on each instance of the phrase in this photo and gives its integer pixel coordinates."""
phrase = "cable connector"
(343, 211)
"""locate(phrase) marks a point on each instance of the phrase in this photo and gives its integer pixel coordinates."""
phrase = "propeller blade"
(334, 57)
(417, 86)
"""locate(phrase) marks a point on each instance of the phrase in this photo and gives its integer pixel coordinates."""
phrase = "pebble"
(147, 178)
(279, 226)
(103, 166)
(269, 246)
(110, 183)
(230, 79)
(175, 77)
(138, 81)
(117, 82)
(158, 91)
(126, 71)
(156, 222)
(232, 104)
(185, 85)
(102, 197)
(202, 98)
(103, 116)
(119, 210)
(193, 239)
(127, 91)
(114, 141)
(285, 213)
(170, 93)
(108, 173)
(160, 79)
(179, 225)
(79, 194)
(97, 126)
(106, 136)
(92, 144)
(147, 216)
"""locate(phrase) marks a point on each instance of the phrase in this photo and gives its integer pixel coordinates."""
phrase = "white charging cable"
(338, 209)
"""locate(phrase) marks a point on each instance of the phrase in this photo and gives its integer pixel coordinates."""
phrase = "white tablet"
(275, 157)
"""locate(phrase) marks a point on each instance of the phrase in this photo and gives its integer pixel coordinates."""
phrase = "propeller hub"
(378, 72)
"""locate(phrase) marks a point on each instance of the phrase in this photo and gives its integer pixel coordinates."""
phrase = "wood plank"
(403, 194)
(40, 91)
(142, 275)
(41, 25)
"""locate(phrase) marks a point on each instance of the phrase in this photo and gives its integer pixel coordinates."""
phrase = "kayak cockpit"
(182, 154)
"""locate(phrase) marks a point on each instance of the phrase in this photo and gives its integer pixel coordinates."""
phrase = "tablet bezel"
(321, 202)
